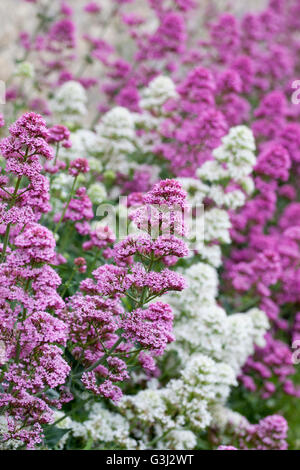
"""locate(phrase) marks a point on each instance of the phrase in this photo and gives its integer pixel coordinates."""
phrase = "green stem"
(154, 441)
(68, 283)
(67, 237)
(71, 411)
(23, 317)
(56, 153)
(95, 120)
(66, 206)
(93, 265)
(102, 359)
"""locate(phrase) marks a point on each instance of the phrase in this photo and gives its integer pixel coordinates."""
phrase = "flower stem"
(67, 285)
(66, 206)
(102, 359)
(93, 265)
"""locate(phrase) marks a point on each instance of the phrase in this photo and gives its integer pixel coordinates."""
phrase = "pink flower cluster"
(30, 328)
(263, 263)
(103, 335)
(269, 434)
(241, 74)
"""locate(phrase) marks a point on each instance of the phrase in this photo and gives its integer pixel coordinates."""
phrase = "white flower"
(3, 358)
(260, 324)
(117, 139)
(234, 161)
(97, 193)
(203, 381)
(95, 164)
(84, 144)
(202, 282)
(158, 92)
(243, 332)
(212, 171)
(237, 151)
(103, 425)
(238, 137)
(216, 225)
(147, 121)
(181, 440)
(25, 69)
(70, 102)
(196, 190)
(234, 199)
(148, 405)
(63, 183)
(118, 123)
(211, 254)
(202, 333)
(231, 200)
(223, 417)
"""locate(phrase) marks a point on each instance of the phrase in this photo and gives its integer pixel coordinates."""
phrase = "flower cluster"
(168, 331)
(103, 335)
(31, 332)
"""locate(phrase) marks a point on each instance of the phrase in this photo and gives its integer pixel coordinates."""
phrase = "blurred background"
(18, 14)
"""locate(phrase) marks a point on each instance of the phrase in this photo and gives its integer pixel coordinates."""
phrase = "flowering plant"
(149, 229)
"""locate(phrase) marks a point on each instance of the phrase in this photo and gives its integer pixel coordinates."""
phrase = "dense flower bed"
(150, 230)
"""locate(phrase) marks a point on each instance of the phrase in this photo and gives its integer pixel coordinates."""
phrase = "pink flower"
(92, 7)
(80, 165)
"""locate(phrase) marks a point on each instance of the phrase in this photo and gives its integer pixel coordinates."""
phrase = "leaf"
(89, 444)
(53, 435)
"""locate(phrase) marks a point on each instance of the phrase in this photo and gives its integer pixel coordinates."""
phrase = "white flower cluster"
(116, 139)
(233, 163)
(216, 225)
(201, 325)
(237, 152)
(195, 189)
(223, 417)
(211, 346)
(158, 92)
(203, 382)
(10, 444)
(102, 426)
(97, 193)
(233, 160)
(69, 103)
(243, 331)
(25, 70)
(179, 439)
(63, 183)
(176, 413)
(84, 145)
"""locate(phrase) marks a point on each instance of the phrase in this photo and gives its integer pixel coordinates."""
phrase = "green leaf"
(53, 435)
(89, 444)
